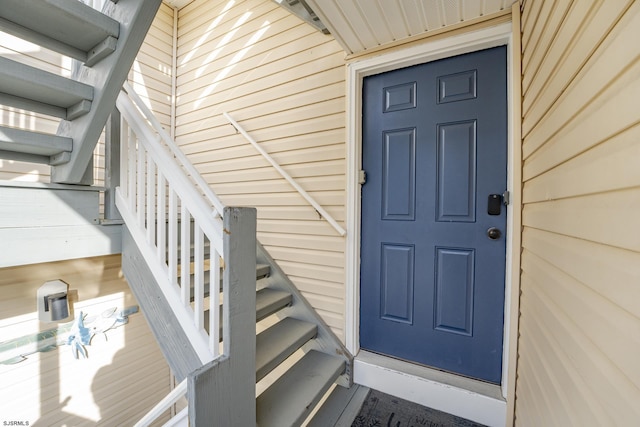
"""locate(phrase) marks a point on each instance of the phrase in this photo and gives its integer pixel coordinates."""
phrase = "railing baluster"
(162, 217)
(141, 181)
(151, 201)
(198, 285)
(173, 237)
(124, 149)
(214, 301)
(132, 170)
(185, 257)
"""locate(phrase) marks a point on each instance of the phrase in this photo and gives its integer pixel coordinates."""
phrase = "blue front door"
(433, 221)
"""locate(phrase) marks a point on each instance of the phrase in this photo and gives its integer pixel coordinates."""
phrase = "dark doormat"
(383, 410)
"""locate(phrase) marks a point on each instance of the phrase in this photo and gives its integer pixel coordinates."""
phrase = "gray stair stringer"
(325, 341)
(171, 339)
(106, 77)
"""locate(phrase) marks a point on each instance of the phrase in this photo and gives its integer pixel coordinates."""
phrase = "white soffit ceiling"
(178, 4)
(360, 25)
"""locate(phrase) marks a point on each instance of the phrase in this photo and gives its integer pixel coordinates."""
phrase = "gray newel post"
(112, 165)
(223, 392)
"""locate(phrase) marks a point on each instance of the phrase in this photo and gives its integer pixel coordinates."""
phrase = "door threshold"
(464, 397)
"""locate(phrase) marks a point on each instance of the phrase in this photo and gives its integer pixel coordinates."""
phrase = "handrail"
(128, 113)
(175, 150)
(323, 213)
(166, 213)
(171, 398)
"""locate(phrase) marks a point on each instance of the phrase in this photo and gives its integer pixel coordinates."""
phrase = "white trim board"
(44, 223)
(463, 397)
(49, 186)
(22, 246)
(396, 381)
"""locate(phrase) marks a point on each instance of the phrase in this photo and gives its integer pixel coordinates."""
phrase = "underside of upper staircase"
(104, 42)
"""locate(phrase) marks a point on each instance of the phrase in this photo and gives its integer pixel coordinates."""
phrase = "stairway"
(292, 397)
(179, 242)
(106, 43)
(292, 329)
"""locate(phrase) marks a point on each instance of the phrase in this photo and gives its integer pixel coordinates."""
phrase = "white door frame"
(492, 411)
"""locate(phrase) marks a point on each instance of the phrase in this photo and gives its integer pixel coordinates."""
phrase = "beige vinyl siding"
(124, 375)
(580, 311)
(284, 82)
(151, 74)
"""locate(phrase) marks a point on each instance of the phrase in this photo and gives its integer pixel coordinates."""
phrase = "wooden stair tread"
(270, 301)
(27, 87)
(206, 248)
(290, 400)
(340, 407)
(277, 343)
(42, 144)
(69, 27)
(262, 270)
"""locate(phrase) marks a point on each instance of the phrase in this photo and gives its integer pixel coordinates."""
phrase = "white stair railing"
(168, 209)
(167, 215)
(170, 399)
(194, 175)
